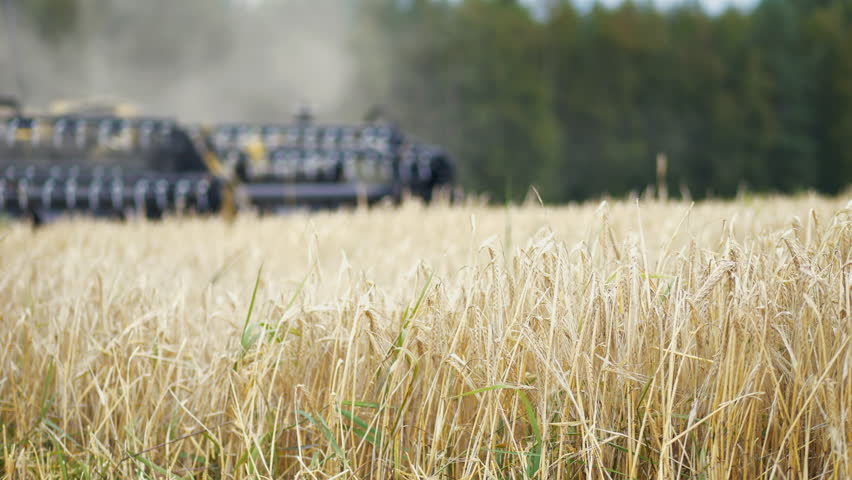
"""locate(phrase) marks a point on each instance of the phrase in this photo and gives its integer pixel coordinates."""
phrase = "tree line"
(580, 102)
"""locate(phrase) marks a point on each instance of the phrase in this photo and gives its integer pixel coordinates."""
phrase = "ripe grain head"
(707, 341)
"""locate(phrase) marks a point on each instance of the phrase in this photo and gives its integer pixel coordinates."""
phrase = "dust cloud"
(199, 60)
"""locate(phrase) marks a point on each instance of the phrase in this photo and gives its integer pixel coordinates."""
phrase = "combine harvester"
(104, 160)
(280, 166)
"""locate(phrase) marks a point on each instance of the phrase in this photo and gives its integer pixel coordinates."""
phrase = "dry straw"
(650, 340)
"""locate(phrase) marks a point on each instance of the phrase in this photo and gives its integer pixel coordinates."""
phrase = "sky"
(713, 6)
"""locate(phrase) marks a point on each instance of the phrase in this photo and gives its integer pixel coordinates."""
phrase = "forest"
(578, 102)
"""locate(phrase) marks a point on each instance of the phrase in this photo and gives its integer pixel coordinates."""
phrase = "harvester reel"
(108, 165)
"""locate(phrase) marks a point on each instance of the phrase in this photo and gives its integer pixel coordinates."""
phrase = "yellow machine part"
(256, 151)
(201, 140)
(94, 106)
(26, 135)
(23, 135)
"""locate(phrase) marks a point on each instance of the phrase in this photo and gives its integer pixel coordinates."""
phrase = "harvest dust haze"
(198, 59)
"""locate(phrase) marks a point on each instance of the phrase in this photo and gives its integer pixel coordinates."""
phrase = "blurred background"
(576, 98)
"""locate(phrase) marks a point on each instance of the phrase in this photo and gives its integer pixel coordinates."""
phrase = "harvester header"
(109, 162)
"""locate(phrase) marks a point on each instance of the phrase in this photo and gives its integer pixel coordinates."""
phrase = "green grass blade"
(422, 296)
(353, 403)
(627, 451)
(319, 422)
(48, 381)
(645, 391)
(247, 338)
(298, 291)
(499, 386)
(534, 459)
(615, 472)
(363, 430)
(153, 466)
(407, 316)
(62, 467)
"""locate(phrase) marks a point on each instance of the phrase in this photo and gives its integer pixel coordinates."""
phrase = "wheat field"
(629, 339)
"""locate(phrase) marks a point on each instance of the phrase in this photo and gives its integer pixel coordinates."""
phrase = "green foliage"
(579, 103)
(52, 18)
